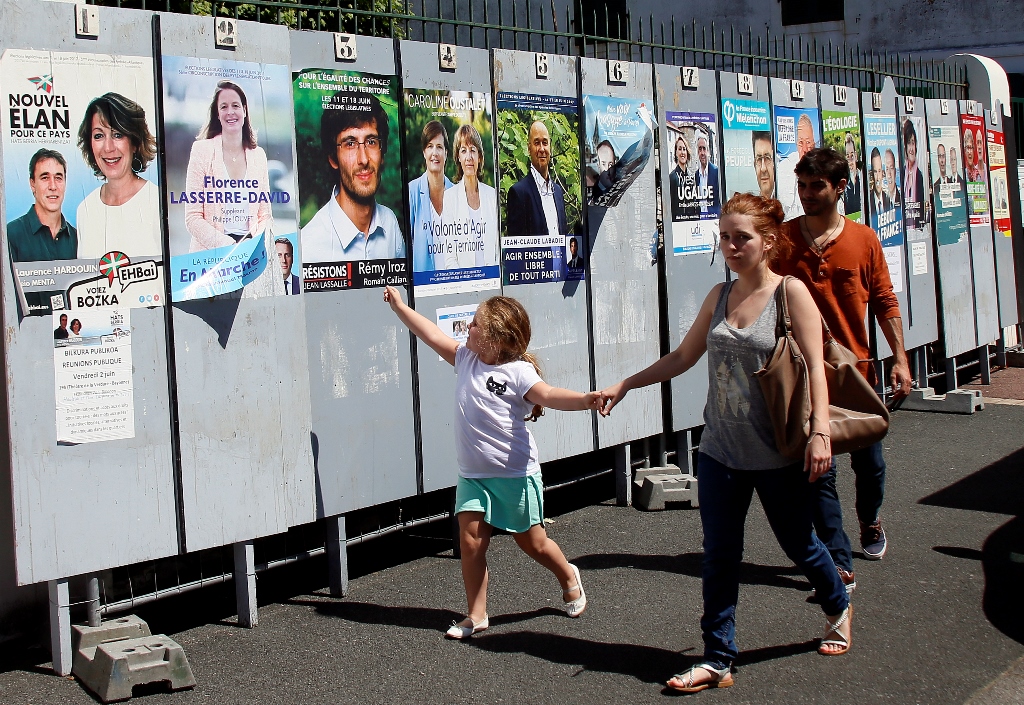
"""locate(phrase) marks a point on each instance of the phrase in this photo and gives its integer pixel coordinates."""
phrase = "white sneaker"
(576, 607)
(466, 628)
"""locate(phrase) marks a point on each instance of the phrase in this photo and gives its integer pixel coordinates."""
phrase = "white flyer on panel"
(92, 364)
(454, 321)
(918, 258)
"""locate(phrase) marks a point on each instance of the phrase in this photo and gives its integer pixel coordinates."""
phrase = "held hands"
(611, 396)
(594, 400)
(817, 456)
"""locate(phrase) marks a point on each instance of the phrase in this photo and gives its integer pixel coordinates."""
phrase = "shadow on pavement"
(689, 564)
(997, 489)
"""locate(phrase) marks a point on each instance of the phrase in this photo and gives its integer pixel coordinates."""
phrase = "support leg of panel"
(245, 584)
(60, 626)
(1001, 349)
(662, 450)
(683, 452)
(623, 476)
(647, 452)
(921, 371)
(950, 374)
(92, 601)
(985, 365)
(337, 555)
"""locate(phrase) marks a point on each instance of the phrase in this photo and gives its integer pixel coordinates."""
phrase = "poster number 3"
(618, 71)
(344, 47)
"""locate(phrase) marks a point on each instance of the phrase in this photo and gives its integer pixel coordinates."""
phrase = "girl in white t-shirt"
(498, 389)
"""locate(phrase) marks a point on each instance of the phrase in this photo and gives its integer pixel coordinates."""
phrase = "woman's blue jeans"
(786, 496)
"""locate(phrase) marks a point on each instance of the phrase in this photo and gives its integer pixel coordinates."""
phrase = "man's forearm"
(892, 329)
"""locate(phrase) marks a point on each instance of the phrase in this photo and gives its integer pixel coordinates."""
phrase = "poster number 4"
(446, 57)
(344, 47)
(618, 71)
(691, 77)
(745, 84)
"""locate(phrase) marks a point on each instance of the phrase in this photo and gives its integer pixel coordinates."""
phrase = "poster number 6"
(618, 72)
(691, 77)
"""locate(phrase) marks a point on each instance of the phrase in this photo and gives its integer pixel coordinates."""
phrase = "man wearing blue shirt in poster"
(352, 225)
(42, 234)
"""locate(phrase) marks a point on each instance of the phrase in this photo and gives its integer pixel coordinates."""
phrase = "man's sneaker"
(872, 540)
(849, 581)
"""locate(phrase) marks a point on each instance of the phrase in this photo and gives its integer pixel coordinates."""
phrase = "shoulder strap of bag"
(783, 322)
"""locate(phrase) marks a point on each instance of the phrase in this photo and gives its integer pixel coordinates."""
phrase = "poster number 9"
(618, 71)
(691, 77)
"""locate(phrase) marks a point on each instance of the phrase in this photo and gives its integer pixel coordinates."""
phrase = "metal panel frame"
(88, 507)
(558, 310)
(624, 277)
(1006, 279)
(360, 359)
(688, 278)
(241, 363)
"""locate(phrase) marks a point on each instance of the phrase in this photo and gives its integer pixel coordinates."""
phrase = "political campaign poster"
(841, 132)
(748, 155)
(797, 132)
(82, 191)
(92, 363)
(973, 132)
(997, 177)
(885, 194)
(948, 188)
(619, 139)
(539, 191)
(917, 202)
(231, 185)
(695, 198)
(1020, 186)
(348, 148)
(453, 204)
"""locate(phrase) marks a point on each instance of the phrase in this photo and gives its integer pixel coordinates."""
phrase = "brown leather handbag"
(857, 416)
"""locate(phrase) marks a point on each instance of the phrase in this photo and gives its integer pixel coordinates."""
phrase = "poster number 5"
(618, 71)
(691, 77)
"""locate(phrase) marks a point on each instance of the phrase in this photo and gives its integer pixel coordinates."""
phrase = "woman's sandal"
(833, 628)
(574, 608)
(466, 628)
(683, 682)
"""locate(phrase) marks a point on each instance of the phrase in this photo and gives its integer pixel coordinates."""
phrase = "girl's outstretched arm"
(421, 326)
(563, 399)
(677, 362)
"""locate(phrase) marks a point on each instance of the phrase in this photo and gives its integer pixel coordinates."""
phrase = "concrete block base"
(654, 487)
(116, 656)
(1015, 358)
(958, 401)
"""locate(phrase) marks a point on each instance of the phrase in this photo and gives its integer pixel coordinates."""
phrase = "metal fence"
(531, 25)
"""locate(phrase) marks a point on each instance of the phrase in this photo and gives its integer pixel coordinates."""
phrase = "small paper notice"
(454, 322)
(918, 258)
(92, 363)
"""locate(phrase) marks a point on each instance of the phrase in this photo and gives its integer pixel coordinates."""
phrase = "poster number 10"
(618, 71)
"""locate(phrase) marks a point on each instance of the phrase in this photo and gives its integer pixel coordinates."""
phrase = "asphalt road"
(937, 621)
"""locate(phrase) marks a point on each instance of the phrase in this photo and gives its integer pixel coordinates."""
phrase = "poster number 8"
(344, 47)
(744, 84)
(691, 77)
(618, 71)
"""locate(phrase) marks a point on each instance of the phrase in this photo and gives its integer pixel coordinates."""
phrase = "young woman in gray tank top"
(736, 327)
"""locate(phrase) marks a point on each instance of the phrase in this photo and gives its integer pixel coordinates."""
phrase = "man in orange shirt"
(842, 264)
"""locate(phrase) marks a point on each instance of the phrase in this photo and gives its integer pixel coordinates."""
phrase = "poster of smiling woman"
(80, 172)
(228, 128)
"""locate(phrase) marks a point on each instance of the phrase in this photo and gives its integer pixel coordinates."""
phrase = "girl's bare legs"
(474, 537)
(536, 544)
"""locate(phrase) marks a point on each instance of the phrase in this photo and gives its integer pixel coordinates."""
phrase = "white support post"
(337, 556)
(623, 476)
(245, 584)
(60, 627)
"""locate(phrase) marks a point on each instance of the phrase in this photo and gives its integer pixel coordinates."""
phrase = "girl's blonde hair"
(505, 324)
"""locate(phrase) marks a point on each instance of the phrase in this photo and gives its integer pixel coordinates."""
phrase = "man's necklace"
(819, 248)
